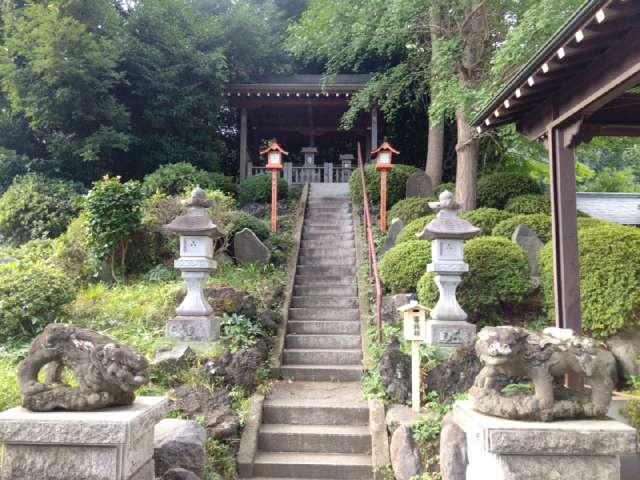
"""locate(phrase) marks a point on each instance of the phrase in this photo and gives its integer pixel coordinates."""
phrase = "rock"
(270, 319)
(179, 443)
(395, 373)
(238, 368)
(531, 244)
(174, 358)
(391, 303)
(392, 235)
(456, 374)
(180, 474)
(213, 406)
(248, 248)
(453, 450)
(625, 347)
(229, 300)
(403, 415)
(419, 185)
(405, 454)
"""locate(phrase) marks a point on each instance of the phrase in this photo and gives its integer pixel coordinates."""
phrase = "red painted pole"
(274, 200)
(383, 201)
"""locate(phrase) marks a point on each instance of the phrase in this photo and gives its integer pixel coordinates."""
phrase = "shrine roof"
(291, 85)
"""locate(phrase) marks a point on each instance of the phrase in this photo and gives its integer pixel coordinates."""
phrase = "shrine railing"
(297, 175)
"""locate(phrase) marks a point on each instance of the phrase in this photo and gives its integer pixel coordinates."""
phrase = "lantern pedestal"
(449, 333)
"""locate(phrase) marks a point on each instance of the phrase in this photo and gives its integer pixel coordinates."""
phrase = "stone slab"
(419, 185)
(567, 438)
(114, 443)
(449, 333)
(196, 329)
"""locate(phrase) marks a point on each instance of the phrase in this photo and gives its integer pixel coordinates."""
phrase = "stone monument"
(419, 185)
(194, 318)
(447, 326)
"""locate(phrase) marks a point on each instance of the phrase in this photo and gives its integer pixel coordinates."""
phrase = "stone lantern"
(447, 326)
(309, 154)
(194, 318)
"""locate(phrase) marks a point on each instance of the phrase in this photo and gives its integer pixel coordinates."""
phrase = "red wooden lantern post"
(384, 154)
(274, 154)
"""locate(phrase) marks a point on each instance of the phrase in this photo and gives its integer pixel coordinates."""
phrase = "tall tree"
(435, 135)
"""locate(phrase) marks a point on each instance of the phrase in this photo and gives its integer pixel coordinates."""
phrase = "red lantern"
(274, 154)
(384, 156)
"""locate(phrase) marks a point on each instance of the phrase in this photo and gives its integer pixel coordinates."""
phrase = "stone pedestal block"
(194, 329)
(109, 444)
(449, 333)
(502, 449)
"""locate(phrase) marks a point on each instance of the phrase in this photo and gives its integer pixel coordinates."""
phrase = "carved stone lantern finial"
(447, 326)
(194, 318)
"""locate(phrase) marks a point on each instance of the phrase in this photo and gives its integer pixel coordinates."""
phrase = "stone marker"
(392, 235)
(175, 357)
(109, 444)
(179, 444)
(405, 454)
(504, 449)
(531, 244)
(419, 185)
(248, 248)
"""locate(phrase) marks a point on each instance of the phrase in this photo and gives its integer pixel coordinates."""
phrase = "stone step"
(322, 341)
(336, 314)
(318, 465)
(321, 358)
(325, 290)
(325, 280)
(326, 228)
(327, 270)
(314, 414)
(322, 373)
(327, 252)
(329, 219)
(327, 261)
(323, 244)
(323, 328)
(327, 238)
(328, 302)
(314, 438)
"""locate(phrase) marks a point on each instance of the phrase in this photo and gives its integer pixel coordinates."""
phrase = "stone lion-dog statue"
(513, 356)
(107, 373)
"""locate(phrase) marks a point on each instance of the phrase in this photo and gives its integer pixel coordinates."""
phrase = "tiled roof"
(621, 208)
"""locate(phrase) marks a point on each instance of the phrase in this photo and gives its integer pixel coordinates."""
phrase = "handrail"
(371, 248)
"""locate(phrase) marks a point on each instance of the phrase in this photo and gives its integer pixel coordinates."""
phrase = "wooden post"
(415, 376)
(243, 144)
(383, 201)
(274, 200)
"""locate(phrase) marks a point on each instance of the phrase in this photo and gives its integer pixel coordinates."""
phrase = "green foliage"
(32, 295)
(263, 282)
(590, 222)
(529, 205)
(498, 279)
(11, 165)
(486, 218)
(241, 332)
(403, 265)
(610, 180)
(609, 281)
(178, 178)
(410, 208)
(37, 207)
(538, 222)
(410, 230)
(257, 189)
(114, 213)
(239, 220)
(496, 189)
(444, 186)
(396, 183)
(9, 393)
(70, 251)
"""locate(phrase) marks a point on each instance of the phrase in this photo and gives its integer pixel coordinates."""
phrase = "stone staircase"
(315, 421)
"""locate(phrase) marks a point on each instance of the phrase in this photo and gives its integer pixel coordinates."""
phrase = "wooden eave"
(566, 67)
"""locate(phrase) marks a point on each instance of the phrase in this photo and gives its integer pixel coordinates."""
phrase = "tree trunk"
(467, 151)
(435, 152)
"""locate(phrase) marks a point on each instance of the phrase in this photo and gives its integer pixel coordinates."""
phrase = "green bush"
(498, 279)
(590, 222)
(412, 228)
(176, 178)
(396, 183)
(409, 209)
(609, 279)
(486, 218)
(238, 220)
(71, 251)
(496, 189)
(403, 265)
(529, 204)
(444, 186)
(37, 207)
(539, 223)
(11, 166)
(257, 189)
(32, 295)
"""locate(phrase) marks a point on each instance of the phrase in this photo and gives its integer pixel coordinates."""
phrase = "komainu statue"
(523, 374)
(107, 373)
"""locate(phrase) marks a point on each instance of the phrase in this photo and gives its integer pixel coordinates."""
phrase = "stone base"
(449, 333)
(109, 444)
(194, 329)
(502, 449)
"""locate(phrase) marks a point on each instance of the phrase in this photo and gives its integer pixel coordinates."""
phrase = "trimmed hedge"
(403, 265)
(609, 279)
(498, 279)
(409, 209)
(444, 186)
(257, 189)
(176, 178)
(412, 228)
(396, 183)
(529, 204)
(239, 220)
(486, 218)
(539, 223)
(496, 189)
